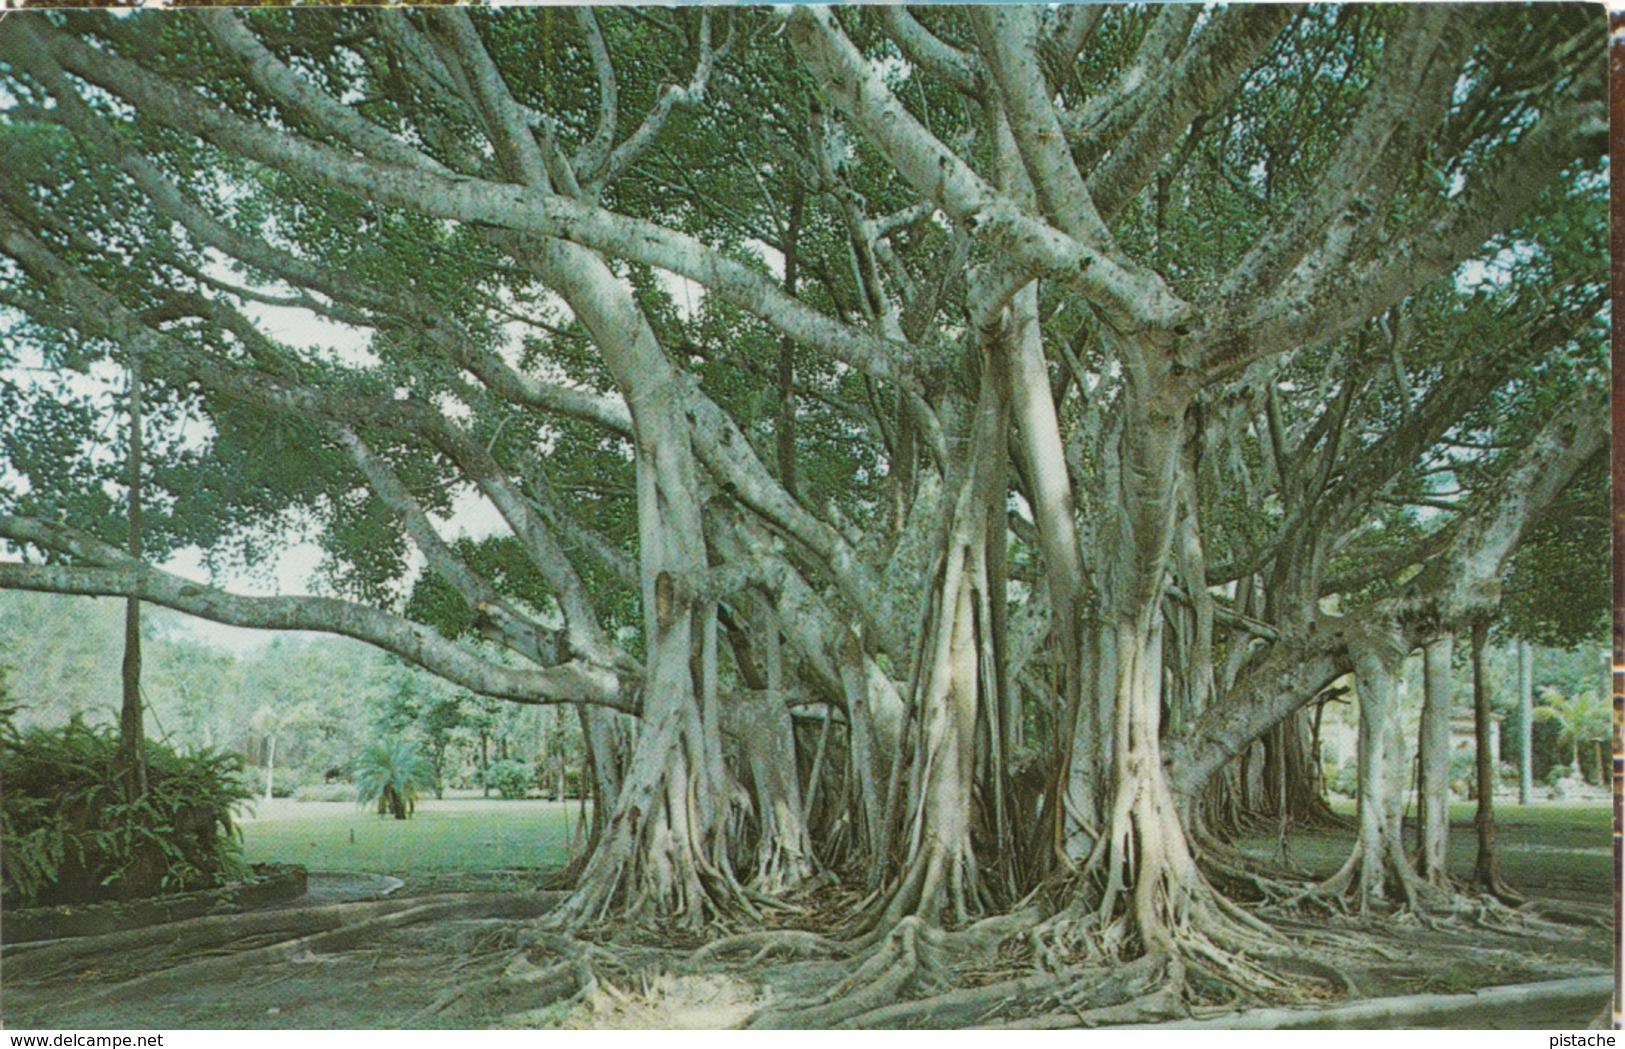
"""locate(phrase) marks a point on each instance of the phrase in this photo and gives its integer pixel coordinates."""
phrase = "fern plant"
(70, 833)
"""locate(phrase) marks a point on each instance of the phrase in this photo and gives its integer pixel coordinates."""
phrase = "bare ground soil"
(463, 950)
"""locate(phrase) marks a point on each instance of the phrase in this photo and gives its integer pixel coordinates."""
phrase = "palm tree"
(1582, 718)
(393, 774)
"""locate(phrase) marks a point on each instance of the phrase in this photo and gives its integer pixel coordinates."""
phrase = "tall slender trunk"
(1434, 810)
(606, 748)
(132, 746)
(270, 765)
(560, 757)
(785, 427)
(1487, 868)
(1526, 702)
(1050, 491)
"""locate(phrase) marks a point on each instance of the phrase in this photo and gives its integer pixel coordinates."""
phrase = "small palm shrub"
(69, 832)
(392, 775)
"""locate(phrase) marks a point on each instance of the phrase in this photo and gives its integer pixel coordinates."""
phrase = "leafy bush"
(393, 775)
(326, 792)
(1557, 773)
(1463, 771)
(572, 786)
(509, 778)
(1343, 778)
(71, 834)
(292, 779)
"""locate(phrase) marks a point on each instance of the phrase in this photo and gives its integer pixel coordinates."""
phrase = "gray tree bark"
(1434, 809)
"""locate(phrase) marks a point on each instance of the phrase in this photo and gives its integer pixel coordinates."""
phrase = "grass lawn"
(1558, 849)
(454, 834)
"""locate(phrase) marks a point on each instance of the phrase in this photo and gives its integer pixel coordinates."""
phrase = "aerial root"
(909, 952)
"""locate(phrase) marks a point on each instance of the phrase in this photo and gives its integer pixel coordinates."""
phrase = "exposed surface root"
(763, 945)
(548, 971)
(1379, 879)
(468, 963)
(217, 967)
(1565, 913)
(1246, 883)
(1190, 940)
(159, 944)
(910, 954)
(964, 1007)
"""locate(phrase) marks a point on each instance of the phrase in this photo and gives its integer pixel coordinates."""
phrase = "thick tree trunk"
(954, 678)
(1377, 871)
(1432, 860)
(760, 723)
(664, 851)
(875, 715)
(1145, 851)
(1143, 891)
(939, 871)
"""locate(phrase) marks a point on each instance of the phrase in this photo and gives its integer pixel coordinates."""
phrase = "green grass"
(1566, 848)
(451, 835)
(1541, 845)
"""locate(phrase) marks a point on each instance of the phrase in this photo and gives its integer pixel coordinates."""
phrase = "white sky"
(292, 570)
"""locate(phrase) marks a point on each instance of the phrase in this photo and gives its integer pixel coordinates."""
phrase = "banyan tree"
(951, 453)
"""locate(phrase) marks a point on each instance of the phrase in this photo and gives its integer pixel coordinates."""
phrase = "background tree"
(1582, 718)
